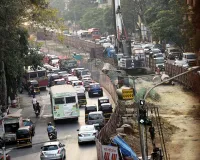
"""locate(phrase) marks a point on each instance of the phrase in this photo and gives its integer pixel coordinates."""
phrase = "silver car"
(87, 133)
(53, 150)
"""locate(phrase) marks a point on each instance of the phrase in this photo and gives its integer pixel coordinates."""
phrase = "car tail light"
(80, 135)
(59, 151)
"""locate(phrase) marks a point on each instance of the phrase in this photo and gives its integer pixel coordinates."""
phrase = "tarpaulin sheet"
(125, 148)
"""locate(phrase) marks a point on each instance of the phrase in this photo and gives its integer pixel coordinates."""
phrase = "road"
(67, 131)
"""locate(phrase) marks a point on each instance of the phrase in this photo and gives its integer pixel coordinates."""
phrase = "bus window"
(41, 74)
(59, 101)
(70, 99)
(33, 75)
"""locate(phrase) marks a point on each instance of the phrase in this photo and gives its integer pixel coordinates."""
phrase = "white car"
(53, 150)
(71, 78)
(78, 85)
(181, 63)
(87, 133)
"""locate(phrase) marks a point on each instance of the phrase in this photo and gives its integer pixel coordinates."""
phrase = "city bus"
(40, 75)
(64, 102)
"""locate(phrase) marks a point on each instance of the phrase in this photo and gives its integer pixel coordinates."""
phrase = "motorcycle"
(37, 113)
(52, 136)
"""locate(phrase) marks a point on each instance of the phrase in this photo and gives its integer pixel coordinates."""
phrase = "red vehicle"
(94, 33)
(7, 157)
(40, 75)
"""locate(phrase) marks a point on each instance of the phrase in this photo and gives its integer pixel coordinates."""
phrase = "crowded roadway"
(66, 128)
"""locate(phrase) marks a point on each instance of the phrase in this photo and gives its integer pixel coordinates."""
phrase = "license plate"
(95, 93)
(50, 155)
(86, 135)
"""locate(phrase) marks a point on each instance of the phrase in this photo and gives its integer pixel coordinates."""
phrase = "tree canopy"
(167, 23)
(14, 40)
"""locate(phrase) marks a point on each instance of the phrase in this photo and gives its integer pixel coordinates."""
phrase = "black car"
(95, 90)
(28, 122)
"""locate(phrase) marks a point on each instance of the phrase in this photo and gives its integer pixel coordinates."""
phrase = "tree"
(14, 41)
(168, 24)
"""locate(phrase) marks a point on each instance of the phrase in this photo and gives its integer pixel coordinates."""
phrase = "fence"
(190, 80)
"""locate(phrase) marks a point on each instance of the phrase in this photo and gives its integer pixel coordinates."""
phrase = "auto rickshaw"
(82, 101)
(102, 100)
(35, 85)
(88, 109)
(106, 108)
(24, 137)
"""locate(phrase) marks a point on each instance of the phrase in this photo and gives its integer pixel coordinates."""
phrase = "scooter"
(37, 113)
(52, 136)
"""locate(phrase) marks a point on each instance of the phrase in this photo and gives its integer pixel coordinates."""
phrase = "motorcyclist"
(34, 102)
(37, 107)
(51, 129)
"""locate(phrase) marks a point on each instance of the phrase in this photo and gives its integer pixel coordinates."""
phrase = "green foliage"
(166, 21)
(98, 18)
(33, 59)
(14, 39)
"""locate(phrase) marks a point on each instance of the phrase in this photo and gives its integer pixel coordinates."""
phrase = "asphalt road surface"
(67, 131)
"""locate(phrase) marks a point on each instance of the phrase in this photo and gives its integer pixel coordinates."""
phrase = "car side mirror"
(77, 129)
(63, 145)
(41, 147)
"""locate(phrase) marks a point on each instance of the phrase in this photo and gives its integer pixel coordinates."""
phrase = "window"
(27, 123)
(33, 75)
(41, 74)
(59, 101)
(95, 116)
(50, 148)
(85, 73)
(159, 61)
(70, 99)
(191, 56)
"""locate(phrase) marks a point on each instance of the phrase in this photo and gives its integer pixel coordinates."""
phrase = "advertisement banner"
(110, 152)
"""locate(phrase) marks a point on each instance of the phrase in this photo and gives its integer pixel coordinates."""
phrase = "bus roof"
(30, 69)
(60, 90)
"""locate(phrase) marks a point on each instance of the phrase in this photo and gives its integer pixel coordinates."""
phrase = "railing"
(190, 80)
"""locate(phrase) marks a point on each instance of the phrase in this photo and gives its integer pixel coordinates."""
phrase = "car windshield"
(87, 128)
(174, 50)
(159, 61)
(191, 56)
(95, 116)
(50, 148)
(95, 86)
(27, 123)
(85, 73)
(60, 82)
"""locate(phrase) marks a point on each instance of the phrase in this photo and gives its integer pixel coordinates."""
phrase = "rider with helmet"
(51, 129)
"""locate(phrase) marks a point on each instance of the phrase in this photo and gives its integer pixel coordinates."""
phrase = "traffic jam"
(69, 89)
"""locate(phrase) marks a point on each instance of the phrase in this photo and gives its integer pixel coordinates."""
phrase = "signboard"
(110, 152)
(127, 94)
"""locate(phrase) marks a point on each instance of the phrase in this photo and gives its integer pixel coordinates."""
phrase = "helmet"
(49, 124)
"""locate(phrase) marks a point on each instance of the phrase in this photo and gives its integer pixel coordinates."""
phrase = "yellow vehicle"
(82, 101)
(35, 85)
(24, 137)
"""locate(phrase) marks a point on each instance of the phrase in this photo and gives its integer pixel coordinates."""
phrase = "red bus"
(94, 33)
(40, 75)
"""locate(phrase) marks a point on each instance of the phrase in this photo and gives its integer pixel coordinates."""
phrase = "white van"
(191, 58)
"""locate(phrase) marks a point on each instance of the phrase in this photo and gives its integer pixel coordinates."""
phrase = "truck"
(9, 126)
(67, 64)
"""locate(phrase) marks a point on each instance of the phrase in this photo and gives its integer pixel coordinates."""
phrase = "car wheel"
(79, 143)
(101, 94)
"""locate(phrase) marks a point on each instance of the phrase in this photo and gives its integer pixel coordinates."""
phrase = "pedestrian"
(152, 133)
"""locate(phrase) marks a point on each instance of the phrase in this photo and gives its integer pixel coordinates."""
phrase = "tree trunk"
(3, 87)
